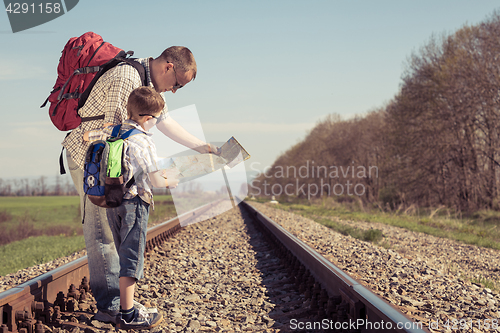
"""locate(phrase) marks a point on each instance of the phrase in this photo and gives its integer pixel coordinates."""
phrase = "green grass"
(481, 228)
(23, 217)
(164, 209)
(311, 211)
(58, 216)
(43, 212)
(487, 283)
(37, 250)
(371, 235)
(59, 211)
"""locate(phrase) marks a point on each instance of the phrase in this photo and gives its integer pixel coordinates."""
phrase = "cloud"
(31, 134)
(30, 148)
(20, 70)
(257, 127)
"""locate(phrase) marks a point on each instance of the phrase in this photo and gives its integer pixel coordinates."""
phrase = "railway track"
(278, 284)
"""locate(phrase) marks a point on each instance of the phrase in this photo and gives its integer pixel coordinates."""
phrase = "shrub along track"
(238, 271)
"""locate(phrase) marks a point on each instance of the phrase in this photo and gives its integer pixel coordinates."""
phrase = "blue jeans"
(103, 261)
(129, 223)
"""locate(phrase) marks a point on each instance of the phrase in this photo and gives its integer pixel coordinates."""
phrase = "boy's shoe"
(139, 306)
(109, 316)
(142, 320)
(106, 316)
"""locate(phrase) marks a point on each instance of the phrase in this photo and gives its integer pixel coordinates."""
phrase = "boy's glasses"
(145, 114)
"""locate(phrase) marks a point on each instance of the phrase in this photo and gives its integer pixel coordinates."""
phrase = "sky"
(268, 71)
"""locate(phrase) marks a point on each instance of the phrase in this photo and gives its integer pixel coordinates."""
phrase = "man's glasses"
(177, 85)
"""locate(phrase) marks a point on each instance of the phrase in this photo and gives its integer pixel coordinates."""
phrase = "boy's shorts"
(129, 223)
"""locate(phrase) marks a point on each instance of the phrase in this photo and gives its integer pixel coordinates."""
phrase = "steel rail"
(345, 295)
(360, 303)
(19, 303)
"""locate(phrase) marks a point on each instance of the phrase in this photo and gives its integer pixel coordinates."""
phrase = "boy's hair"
(181, 57)
(144, 100)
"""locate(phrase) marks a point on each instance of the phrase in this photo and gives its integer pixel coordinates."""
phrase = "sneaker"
(106, 316)
(139, 306)
(109, 316)
(142, 320)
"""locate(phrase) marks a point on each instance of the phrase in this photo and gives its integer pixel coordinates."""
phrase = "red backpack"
(83, 61)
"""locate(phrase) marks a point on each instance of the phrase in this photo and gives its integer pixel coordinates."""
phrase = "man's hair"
(144, 100)
(181, 57)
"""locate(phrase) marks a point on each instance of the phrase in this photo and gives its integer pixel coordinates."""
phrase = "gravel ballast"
(211, 275)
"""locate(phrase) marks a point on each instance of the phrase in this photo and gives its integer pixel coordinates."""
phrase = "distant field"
(36, 230)
(43, 212)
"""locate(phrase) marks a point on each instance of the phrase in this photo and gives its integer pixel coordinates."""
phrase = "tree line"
(436, 143)
(42, 186)
(45, 186)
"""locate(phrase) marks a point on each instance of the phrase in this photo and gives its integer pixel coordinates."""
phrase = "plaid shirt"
(109, 96)
(139, 159)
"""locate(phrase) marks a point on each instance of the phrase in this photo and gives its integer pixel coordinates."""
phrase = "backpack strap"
(125, 136)
(92, 118)
(129, 133)
(119, 58)
(130, 182)
(62, 170)
(138, 67)
(116, 131)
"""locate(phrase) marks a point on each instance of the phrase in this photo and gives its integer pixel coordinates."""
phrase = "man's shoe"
(142, 320)
(106, 316)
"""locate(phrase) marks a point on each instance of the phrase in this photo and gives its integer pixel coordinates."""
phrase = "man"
(172, 70)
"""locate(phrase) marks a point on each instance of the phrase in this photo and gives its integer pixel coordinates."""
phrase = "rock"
(192, 298)
(194, 324)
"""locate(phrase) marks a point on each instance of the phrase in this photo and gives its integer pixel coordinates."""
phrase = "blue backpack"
(103, 171)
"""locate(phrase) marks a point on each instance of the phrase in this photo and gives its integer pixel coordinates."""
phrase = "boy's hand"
(86, 134)
(172, 182)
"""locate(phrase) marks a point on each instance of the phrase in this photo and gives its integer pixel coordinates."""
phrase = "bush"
(373, 235)
(5, 216)
(25, 229)
(389, 196)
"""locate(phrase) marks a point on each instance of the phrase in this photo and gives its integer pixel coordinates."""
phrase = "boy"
(128, 222)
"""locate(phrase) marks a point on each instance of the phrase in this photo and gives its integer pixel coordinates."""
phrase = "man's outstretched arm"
(176, 132)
